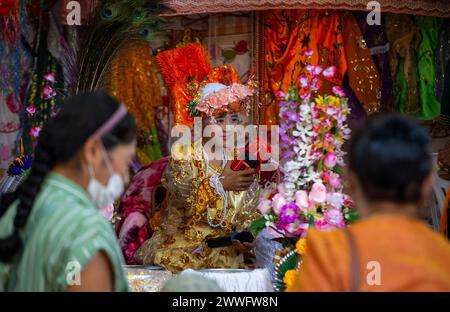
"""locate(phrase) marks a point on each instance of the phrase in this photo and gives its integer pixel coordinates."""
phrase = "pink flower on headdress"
(338, 91)
(48, 92)
(34, 132)
(215, 102)
(309, 52)
(228, 98)
(50, 77)
(31, 110)
(329, 72)
(303, 82)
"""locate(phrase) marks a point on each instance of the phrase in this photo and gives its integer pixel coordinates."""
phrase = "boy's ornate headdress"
(196, 88)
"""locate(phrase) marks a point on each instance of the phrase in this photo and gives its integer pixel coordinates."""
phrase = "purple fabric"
(357, 111)
(375, 37)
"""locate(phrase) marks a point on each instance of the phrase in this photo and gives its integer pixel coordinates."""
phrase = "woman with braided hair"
(53, 237)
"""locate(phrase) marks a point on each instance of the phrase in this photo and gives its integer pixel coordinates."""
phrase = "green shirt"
(64, 231)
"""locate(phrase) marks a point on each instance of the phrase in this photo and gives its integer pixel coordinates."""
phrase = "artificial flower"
(334, 217)
(50, 77)
(317, 70)
(278, 201)
(330, 160)
(34, 132)
(338, 91)
(301, 199)
(301, 246)
(329, 72)
(264, 206)
(303, 82)
(289, 213)
(289, 278)
(31, 110)
(318, 193)
(336, 200)
(309, 52)
(335, 181)
(281, 94)
(48, 92)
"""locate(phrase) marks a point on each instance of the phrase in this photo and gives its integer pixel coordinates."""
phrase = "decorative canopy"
(417, 7)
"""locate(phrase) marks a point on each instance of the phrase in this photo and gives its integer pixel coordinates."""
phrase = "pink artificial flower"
(305, 96)
(50, 77)
(329, 72)
(278, 201)
(321, 225)
(296, 228)
(309, 52)
(303, 82)
(335, 218)
(301, 199)
(316, 154)
(108, 212)
(48, 92)
(318, 193)
(317, 70)
(330, 160)
(338, 91)
(280, 189)
(315, 84)
(281, 94)
(264, 206)
(34, 132)
(336, 200)
(331, 111)
(335, 181)
(31, 110)
(328, 136)
(310, 67)
(348, 202)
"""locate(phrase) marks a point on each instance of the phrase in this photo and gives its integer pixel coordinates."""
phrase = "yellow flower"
(289, 278)
(301, 246)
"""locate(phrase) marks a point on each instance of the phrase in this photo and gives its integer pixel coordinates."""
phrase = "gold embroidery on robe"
(184, 227)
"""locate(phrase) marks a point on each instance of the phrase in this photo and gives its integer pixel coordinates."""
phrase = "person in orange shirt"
(389, 249)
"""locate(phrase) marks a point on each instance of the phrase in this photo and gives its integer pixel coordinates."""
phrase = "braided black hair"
(59, 141)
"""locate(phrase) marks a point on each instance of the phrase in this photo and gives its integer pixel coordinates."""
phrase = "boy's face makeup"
(228, 119)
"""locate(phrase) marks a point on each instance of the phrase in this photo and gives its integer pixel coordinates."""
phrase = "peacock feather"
(113, 25)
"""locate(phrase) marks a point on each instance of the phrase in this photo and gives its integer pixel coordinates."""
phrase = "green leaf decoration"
(258, 225)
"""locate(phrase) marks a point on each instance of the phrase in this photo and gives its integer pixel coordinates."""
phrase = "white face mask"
(101, 195)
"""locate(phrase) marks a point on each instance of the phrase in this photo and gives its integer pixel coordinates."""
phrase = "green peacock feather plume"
(113, 25)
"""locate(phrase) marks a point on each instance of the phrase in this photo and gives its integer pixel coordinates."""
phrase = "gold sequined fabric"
(404, 37)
